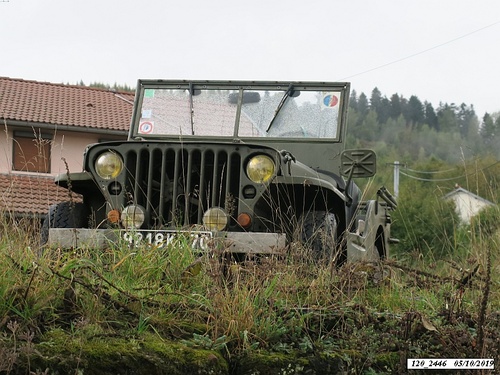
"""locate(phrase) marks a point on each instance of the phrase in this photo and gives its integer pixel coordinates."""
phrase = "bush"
(424, 222)
(486, 222)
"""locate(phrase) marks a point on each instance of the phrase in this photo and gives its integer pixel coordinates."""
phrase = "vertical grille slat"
(173, 214)
(187, 190)
(214, 178)
(150, 209)
(228, 170)
(163, 178)
(137, 178)
(202, 187)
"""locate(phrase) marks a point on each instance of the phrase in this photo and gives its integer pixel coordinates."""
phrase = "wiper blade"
(288, 93)
(191, 107)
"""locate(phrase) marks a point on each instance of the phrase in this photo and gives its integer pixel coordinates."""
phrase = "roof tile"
(58, 104)
(30, 194)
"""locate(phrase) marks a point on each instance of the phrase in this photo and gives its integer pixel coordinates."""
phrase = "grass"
(370, 317)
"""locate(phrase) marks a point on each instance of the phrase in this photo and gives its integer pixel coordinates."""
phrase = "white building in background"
(467, 204)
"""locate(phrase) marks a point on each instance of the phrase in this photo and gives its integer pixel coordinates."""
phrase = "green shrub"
(424, 222)
(486, 222)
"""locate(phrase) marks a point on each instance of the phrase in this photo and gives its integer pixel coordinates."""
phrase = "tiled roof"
(29, 194)
(58, 104)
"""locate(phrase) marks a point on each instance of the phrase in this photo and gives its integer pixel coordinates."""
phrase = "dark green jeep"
(250, 166)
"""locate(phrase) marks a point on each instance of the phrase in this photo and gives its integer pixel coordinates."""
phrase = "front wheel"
(318, 233)
(380, 246)
(63, 215)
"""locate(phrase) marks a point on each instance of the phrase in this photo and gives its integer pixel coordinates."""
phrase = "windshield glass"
(280, 111)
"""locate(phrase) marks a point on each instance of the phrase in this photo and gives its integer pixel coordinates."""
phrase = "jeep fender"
(297, 173)
(79, 182)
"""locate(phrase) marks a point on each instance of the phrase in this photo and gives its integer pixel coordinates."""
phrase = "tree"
(415, 112)
(395, 111)
(430, 116)
(107, 86)
(466, 119)
(363, 105)
(380, 105)
(369, 126)
(488, 129)
(447, 120)
(384, 111)
(497, 123)
(353, 101)
(375, 99)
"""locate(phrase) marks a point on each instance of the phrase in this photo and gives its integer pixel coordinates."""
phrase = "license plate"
(198, 240)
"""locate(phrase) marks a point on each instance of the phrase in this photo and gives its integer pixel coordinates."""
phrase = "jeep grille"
(176, 185)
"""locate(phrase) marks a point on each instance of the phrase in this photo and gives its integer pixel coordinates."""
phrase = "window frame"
(34, 157)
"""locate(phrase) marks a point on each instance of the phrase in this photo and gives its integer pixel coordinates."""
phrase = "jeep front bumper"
(234, 242)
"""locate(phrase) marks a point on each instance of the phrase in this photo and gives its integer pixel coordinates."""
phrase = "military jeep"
(253, 167)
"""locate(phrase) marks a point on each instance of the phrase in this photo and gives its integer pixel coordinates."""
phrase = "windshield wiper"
(288, 93)
(191, 107)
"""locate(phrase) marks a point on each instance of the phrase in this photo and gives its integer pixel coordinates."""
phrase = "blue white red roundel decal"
(330, 100)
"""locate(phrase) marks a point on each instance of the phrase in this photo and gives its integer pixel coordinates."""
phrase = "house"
(45, 128)
(467, 204)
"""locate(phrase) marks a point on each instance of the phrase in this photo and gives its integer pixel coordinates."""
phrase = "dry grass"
(430, 308)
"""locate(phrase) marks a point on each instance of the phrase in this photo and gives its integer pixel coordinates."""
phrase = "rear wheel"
(63, 215)
(319, 234)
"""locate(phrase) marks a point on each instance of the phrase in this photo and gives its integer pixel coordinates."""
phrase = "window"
(31, 151)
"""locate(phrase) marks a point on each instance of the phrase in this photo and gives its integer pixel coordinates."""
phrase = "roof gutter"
(69, 128)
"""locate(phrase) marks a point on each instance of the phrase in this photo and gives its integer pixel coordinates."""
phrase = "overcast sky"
(438, 50)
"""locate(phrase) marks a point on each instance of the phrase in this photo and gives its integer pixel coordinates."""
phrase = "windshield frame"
(280, 87)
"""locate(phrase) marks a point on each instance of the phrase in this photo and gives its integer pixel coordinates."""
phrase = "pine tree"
(447, 120)
(375, 99)
(395, 106)
(363, 106)
(488, 129)
(430, 116)
(415, 111)
(464, 114)
(353, 101)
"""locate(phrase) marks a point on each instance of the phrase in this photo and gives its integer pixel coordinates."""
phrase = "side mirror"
(358, 163)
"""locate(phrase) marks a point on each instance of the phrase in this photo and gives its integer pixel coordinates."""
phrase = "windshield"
(224, 110)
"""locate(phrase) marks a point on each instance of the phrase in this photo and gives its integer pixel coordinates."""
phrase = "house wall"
(5, 151)
(70, 146)
(67, 145)
(468, 206)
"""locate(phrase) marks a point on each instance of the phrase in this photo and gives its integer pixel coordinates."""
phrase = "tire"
(63, 215)
(319, 234)
(380, 245)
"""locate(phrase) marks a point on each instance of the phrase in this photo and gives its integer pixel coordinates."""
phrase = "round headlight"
(215, 219)
(108, 165)
(260, 168)
(132, 217)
